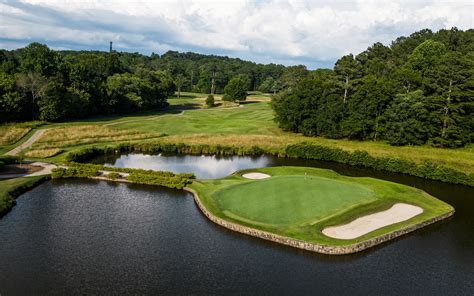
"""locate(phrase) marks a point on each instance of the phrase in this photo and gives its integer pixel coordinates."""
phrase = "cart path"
(27, 143)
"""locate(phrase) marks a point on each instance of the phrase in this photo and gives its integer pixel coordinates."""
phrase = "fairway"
(290, 199)
(247, 126)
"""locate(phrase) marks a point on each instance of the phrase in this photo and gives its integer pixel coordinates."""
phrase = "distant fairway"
(290, 199)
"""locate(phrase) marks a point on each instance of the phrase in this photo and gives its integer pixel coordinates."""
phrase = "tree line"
(37, 82)
(418, 90)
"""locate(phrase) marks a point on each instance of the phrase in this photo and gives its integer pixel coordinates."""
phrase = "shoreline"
(309, 246)
(293, 242)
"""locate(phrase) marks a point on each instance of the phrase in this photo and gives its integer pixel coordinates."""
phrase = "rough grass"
(284, 213)
(43, 153)
(461, 159)
(12, 134)
(86, 134)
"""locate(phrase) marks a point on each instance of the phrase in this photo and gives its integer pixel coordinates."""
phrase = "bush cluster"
(10, 159)
(162, 178)
(177, 181)
(113, 175)
(74, 172)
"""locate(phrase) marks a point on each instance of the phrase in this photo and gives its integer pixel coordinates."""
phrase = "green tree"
(347, 71)
(236, 89)
(13, 105)
(408, 120)
(451, 81)
(267, 85)
(53, 105)
(38, 58)
(34, 87)
(366, 108)
(292, 75)
(425, 56)
(88, 74)
(179, 81)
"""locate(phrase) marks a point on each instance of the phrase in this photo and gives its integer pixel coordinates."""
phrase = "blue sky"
(314, 33)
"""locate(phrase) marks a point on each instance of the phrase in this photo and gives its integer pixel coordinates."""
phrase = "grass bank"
(10, 189)
(285, 204)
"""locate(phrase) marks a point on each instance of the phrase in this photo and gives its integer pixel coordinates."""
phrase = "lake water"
(95, 237)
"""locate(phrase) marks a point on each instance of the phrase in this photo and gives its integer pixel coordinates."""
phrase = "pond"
(95, 237)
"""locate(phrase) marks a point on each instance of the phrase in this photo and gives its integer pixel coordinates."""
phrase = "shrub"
(113, 175)
(74, 172)
(10, 159)
(177, 181)
(162, 178)
(210, 101)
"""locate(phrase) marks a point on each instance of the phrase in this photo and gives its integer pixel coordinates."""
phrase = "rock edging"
(300, 244)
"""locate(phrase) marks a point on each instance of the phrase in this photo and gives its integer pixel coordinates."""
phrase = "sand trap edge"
(358, 227)
(256, 176)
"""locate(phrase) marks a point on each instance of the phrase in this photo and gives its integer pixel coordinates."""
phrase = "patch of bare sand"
(397, 213)
(256, 176)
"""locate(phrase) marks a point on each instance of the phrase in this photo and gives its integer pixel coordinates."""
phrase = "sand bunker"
(397, 213)
(256, 176)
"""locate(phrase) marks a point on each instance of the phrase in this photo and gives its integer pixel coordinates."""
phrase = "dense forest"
(39, 83)
(418, 90)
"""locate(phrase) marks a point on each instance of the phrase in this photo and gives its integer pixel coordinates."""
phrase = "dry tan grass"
(86, 134)
(11, 134)
(268, 142)
(462, 159)
(43, 153)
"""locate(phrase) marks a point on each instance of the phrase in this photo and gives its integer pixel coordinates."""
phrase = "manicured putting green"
(292, 199)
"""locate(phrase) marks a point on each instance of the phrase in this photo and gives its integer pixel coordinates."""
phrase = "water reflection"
(204, 167)
(89, 237)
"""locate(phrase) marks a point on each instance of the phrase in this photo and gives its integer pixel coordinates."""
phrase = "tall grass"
(43, 153)
(87, 134)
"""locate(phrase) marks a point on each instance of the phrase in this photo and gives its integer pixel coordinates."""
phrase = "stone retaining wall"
(324, 249)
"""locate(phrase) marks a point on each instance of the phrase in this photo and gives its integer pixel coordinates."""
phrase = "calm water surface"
(90, 237)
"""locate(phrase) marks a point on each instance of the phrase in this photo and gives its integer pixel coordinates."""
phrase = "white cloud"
(287, 31)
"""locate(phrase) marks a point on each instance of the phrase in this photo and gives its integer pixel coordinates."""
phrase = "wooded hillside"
(418, 90)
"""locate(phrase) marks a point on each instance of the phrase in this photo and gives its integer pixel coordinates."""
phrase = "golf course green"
(299, 203)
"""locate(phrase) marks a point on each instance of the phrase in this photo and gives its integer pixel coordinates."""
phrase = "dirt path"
(26, 144)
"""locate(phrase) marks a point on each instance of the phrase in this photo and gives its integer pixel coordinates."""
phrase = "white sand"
(397, 213)
(256, 176)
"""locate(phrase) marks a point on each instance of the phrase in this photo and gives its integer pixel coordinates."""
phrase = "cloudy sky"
(314, 33)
